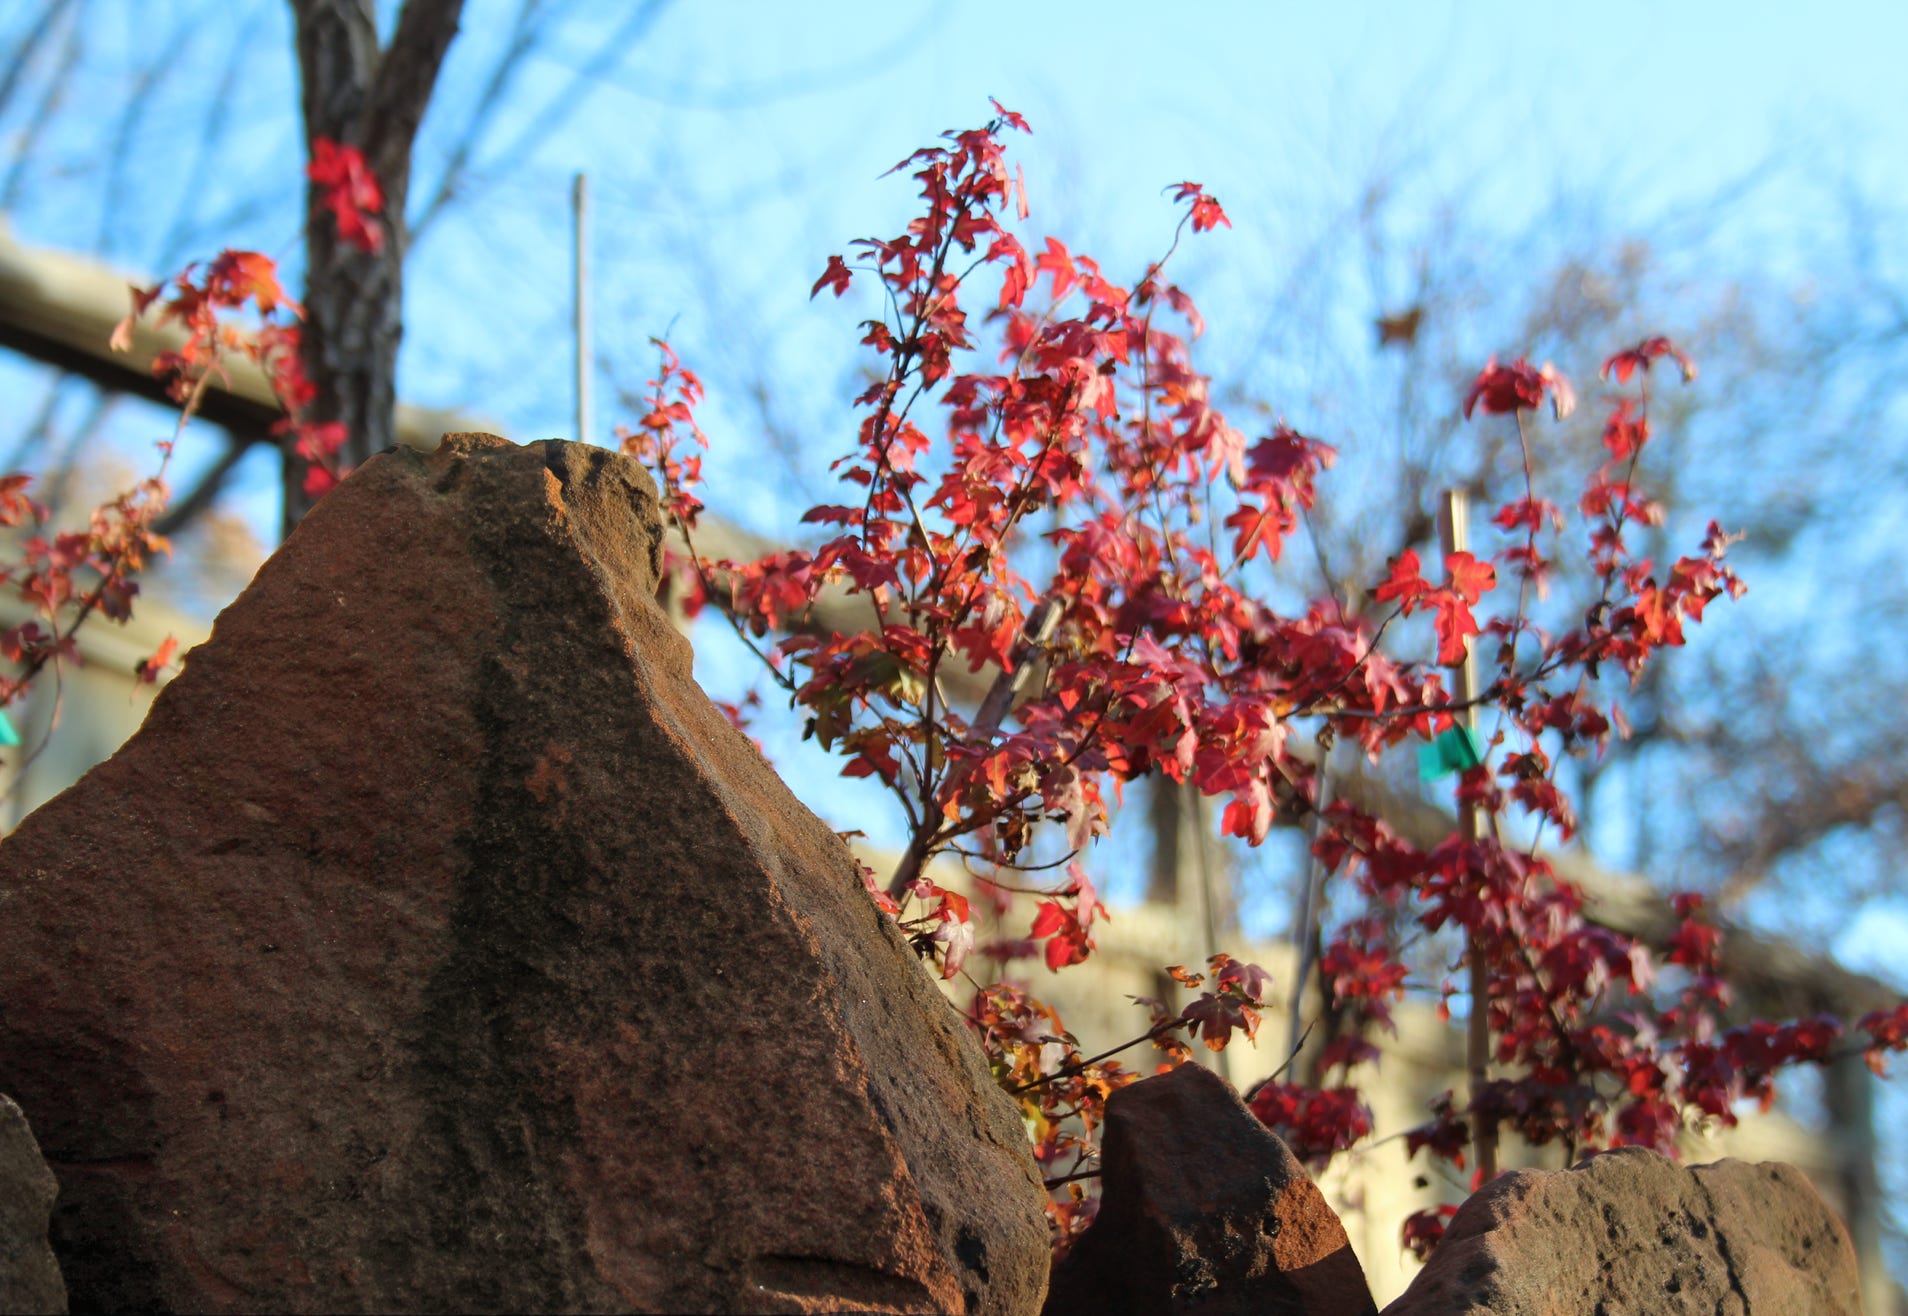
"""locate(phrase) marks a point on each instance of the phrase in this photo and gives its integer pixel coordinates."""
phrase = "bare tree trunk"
(359, 95)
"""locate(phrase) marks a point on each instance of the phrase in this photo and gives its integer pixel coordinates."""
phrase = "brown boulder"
(436, 944)
(29, 1277)
(1632, 1231)
(1203, 1208)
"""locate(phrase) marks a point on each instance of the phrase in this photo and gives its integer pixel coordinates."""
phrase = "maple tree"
(1131, 638)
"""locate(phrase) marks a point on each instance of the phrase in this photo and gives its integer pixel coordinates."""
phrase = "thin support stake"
(580, 211)
(1192, 821)
(1311, 898)
(1452, 519)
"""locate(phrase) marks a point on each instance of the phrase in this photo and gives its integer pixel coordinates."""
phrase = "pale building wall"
(1373, 1187)
(99, 701)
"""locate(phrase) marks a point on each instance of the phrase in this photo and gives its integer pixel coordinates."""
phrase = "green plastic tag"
(1454, 750)
(8, 736)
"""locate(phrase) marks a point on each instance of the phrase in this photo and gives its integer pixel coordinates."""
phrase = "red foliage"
(76, 574)
(350, 191)
(1316, 1123)
(1887, 1031)
(203, 300)
(1070, 398)
(1628, 362)
(1519, 386)
(1423, 1230)
(1205, 211)
(147, 669)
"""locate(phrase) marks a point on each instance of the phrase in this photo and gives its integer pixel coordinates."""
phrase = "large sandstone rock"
(1632, 1231)
(29, 1277)
(437, 945)
(1203, 1209)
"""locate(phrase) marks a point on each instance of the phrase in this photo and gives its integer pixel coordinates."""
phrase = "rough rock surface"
(1632, 1231)
(1203, 1209)
(436, 944)
(29, 1277)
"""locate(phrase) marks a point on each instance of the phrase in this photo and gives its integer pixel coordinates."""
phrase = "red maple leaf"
(1057, 264)
(1628, 362)
(1256, 528)
(237, 276)
(1471, 578)
(1658, 619)
(1503, 389)
(1454, 624)
(1404, 583)
(142, 299)
(349, 190)
(1627, 430)
(1520, 386)
(836, 276)
(1528, 514)
(1249, 814)
(1008, 117)
(1695, 944)
(1206, 211)
(1423, 1230)
(148, 669)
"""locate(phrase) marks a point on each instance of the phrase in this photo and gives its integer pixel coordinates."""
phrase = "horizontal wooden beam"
(61, 309)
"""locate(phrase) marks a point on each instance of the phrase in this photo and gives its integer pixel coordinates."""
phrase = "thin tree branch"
(523, 40)
(182, 514)
(400, 91)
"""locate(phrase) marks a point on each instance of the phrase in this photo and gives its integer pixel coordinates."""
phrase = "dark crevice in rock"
(1731, 1270)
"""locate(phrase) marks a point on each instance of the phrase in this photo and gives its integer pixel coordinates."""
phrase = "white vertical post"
(1311, 897)
(1452, 518)
(1194, 821)
(580, 211)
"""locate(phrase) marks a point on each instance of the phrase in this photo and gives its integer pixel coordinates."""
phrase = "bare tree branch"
(132, 116)
(213, 128)
(29, 48)
(523, 40)
(183, 512)
(405, 77)
(608, 55)
(50, 98)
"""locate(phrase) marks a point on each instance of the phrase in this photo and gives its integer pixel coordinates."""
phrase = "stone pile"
(1632, 1231)
(1203, 1209)
(30, 1281)
(437, 945)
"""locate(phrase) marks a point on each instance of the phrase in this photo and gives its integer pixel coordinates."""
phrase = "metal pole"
(1452, 519)
(580, 211)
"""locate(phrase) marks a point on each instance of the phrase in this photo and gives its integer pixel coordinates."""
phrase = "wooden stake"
(1305, 926)
(580, 212)
(1453, 516)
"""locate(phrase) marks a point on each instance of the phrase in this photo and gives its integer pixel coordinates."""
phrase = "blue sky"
(753, 139)
(735, 145)
(776, 121)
